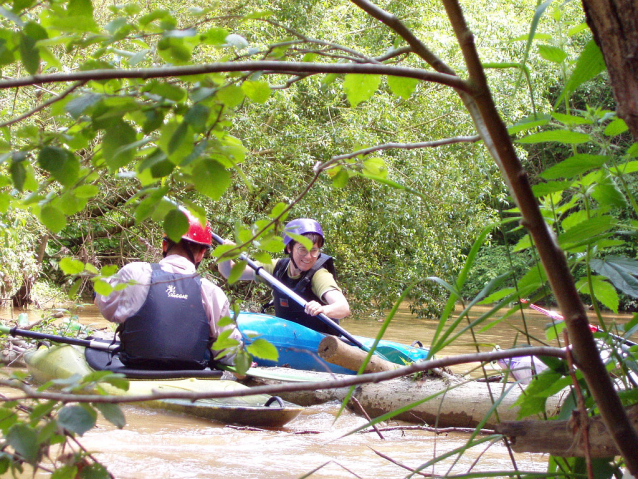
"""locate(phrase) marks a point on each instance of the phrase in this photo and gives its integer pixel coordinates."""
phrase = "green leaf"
(52, 218)
(231, 95)
(616, 127)
(77, 106)
(18, 174)
(211, 178)
(587, 230)
(402, 86)
(236, 272)
(86, 191)
(340, 180)
(117, 137)
(589, 64)
(24, 440)
(102, 288)
(574, 166)
(62, 164)
(31, 33)
(571, 120)
(71, 266)
(552, 53)
(606, 193)
(622, 272)
(76, 419)
(197, 117)
(112, 413)
(165, 90)
(375, 167)
(175, 225)
(257, 91)
(544, 189)
(603, 292)
(214, 36)
(360, 87)
(560, 136)
(263, 349)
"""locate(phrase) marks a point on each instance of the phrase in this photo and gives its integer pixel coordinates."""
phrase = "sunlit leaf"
(574, 166)
(263, 349)
(560, 136)
(52, 218)
(402, 86)
(175, 225)
(71, 266)
(257, 91)
(360, 87)
(116, 138)
(211, 178)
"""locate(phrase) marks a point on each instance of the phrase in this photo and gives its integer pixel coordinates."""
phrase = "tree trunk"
(614, 24)
(563, 438)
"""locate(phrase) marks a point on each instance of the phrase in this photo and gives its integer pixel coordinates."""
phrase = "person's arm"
(337, 306)
(118, 306)
(224, 268)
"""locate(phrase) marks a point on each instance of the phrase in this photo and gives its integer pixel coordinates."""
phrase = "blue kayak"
(297, 345)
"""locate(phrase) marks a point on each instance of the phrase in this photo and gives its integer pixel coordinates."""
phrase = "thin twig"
(44, 105)
(582, 418)
(367, 416)
(29, 392)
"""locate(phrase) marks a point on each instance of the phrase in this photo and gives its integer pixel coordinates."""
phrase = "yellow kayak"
(63, 361)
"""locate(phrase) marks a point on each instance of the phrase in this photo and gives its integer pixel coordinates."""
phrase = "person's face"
(303, 258)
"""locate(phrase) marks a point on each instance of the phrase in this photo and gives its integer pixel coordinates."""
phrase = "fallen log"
(563, 438)
(335, 351)
(460, 404)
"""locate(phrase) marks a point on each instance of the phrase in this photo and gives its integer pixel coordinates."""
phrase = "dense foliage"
(254, 113)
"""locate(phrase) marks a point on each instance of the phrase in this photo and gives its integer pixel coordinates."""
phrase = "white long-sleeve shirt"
(121, 305)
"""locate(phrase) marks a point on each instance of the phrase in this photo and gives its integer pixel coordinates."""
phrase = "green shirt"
(322, 281)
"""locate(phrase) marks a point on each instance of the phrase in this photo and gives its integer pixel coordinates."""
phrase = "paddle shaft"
(282, 288)
(25, 333)
(593, 327)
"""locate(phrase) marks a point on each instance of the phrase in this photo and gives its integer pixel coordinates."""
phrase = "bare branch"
(402, 146)
(264, 66)
(43, 105)
(306, 386)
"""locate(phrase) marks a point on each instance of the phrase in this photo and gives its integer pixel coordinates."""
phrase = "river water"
(156, 445)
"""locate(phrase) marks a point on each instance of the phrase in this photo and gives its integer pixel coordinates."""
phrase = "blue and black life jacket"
(171, 329)
(287, 308)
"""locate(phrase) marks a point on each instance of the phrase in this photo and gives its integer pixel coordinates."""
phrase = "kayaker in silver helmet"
(168, 315)
(310, 274)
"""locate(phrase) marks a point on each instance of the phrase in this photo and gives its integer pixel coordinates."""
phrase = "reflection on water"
(157, 445)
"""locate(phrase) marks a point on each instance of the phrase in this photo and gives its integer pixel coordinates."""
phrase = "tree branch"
(552, 257)
(272, 67)
(307, 386)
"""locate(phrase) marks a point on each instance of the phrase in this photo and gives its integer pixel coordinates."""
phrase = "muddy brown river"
(156, 445)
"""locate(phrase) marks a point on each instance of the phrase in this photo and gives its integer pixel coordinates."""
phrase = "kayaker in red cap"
(168, 315)
(309, 273)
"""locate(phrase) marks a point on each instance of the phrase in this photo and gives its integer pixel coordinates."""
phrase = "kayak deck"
(297, 345)
(62, 362)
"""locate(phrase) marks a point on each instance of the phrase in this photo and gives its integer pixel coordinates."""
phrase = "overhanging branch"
(268, 67)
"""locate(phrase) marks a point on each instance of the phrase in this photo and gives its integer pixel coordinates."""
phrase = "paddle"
(25, 333)
(278, 285)
(595, 329)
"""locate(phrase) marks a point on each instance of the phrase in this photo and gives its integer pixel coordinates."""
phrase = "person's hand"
(313, 308)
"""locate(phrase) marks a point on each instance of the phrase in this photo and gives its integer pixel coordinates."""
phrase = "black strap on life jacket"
(171, 330)
(287, 308)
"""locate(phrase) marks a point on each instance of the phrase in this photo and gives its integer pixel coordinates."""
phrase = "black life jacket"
(171, 329)
(287, 308)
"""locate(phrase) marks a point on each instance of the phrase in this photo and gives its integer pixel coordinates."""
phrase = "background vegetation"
(94, 159)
